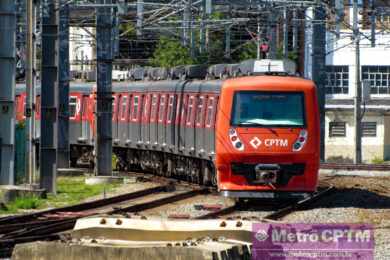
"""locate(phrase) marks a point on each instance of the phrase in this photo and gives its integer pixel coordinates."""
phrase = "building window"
(369, 129)
(337, 129)
(379, 78)
(336, 81)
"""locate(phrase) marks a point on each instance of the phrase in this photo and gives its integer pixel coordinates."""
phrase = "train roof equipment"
(267, 66)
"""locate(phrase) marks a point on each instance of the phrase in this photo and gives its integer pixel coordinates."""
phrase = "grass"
(70, 190)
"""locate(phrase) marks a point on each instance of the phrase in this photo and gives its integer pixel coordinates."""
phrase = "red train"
(252, 136)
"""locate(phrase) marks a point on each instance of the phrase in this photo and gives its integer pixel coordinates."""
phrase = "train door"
(37, 116)
(153, 121)
(123, 119)
(170, 122)
(75, 126)
(115, 101)
(210, 125)
(181, 142)
(135, 129)
(145, 133)
(189, 125)
(161, 122)
(85, 132)
(200, 136)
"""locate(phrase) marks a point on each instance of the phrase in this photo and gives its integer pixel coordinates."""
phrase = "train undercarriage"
(184, 168)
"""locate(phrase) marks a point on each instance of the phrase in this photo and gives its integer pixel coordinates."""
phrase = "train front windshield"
(268, 109)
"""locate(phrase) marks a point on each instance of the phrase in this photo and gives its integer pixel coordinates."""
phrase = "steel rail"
(80, 207)
(345, 166)
(298, 205)
(50, 230)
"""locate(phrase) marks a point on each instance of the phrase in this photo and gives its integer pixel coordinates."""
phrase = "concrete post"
(7, 90)
(104, 92)
(49, 90)
(63, 152)
(285, 33)
(315, 35)
(140, 17)
(186, 24)
(358, 89)
(30, 93)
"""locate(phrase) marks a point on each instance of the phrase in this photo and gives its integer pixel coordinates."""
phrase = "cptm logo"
(261, 235)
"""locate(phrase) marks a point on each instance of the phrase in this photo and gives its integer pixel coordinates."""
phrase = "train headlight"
(235, 140)
(300, 142)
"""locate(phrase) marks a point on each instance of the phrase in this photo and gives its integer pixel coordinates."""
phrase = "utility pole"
(258, 38)
(140, 17)
(272, 36)
(373, 23)
(63, 152)
(49, 88)
(7, 90)
(285, 33)
(295, 32)
(186, 24)
(202, 40)
(30, 93)
(358, 90)
(104, 89)
(208, 11)
(314, 61)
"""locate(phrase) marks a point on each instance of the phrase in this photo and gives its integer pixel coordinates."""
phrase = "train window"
(190, 110)
(123, 112)
(38, 105)
(171, 102)
(85, 105)
(153, 112)
(72, 107)
(162, 109)
(113, 107)
(199, 111)
(134, 112)
(210, 112)
(146, 108)
(183, 108)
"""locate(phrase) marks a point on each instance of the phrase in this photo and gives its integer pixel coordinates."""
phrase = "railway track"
(50, 224)
(355, 167)
(275, 215)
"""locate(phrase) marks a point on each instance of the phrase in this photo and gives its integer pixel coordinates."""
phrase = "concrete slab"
(355, 173)
(161, 229)
(96, 251)
(9, 193)
(103, 180)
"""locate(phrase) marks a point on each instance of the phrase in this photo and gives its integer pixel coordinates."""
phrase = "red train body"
(252, 136)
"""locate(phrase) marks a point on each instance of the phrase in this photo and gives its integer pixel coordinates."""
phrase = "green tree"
(248, 51)
(170, 52)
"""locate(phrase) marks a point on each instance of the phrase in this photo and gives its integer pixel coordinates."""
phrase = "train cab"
(267, 137)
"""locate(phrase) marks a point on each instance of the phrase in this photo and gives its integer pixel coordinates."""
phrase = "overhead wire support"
(30, 93)
(358, 90)
(7, 90)
(63, 92)
(49, 96)
(104, 31)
